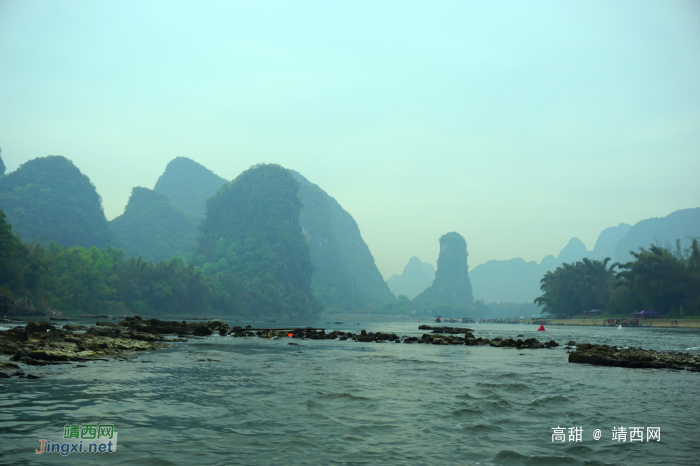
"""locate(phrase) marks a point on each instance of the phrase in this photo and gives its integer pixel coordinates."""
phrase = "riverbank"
(41, 343)
(663, 323)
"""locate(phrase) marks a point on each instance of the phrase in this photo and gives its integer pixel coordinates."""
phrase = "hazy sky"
(517, 124)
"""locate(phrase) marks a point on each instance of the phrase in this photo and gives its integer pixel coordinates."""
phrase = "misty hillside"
(681, 224)
(48, 198)
(607, 241)
(252, 243)
(517, 281)
(574, 251)
(341, 257)
(512, 281)
(188, 185)
(153, 228)
(331, 282)
(414, 279)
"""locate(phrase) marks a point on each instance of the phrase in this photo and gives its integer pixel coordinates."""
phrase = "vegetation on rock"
(48, 199)
(153, 228)
(252, 243)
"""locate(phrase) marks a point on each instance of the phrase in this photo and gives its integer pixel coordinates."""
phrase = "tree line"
(35, 279)
(658, 279)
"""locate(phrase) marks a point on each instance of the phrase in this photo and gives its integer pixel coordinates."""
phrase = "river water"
(252, 401)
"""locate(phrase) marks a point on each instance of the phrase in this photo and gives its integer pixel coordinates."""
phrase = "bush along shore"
(41, 343)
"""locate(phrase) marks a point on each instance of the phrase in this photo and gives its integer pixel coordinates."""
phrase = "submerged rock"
(453, 330)
(39, 344)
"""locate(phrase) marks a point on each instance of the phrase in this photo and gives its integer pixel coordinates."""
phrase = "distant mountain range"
(48, 198)
(416, 277)
(515, 280)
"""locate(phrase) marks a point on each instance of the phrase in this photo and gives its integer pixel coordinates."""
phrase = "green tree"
(574, 288)
(661, 280)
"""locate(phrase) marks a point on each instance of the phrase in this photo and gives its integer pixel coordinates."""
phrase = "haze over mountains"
(515, 280)
(49, 199)
(345, 273)
(188, 185)
(416, 277)
(162, 223)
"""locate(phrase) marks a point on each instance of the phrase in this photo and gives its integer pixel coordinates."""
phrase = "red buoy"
(541, 329)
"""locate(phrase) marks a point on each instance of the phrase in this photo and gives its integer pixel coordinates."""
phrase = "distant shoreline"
(662, 323)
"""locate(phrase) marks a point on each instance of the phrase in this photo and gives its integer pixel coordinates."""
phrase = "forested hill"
(344, 264)
(188, 185)
(48, 198)
(153, 228)
(252, 242)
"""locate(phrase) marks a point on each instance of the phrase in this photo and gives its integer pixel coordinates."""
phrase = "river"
(253, 401)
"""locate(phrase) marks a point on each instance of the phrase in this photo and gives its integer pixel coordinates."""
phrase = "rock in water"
(604, 355)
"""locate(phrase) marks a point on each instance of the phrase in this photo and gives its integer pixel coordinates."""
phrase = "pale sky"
(517, 124)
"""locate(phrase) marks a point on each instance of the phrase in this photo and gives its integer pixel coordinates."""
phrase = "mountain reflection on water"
(253, 401)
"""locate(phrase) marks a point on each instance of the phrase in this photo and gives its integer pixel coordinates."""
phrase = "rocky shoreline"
(41, 343)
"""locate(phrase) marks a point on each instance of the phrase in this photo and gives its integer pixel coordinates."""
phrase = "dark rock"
(534, 343)
(111, 331)
(201, 331)
(74, 327)
(33, 362)
(604, 355)
(450, 330)
(551, 344)
(38, 327)
(571, 343)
